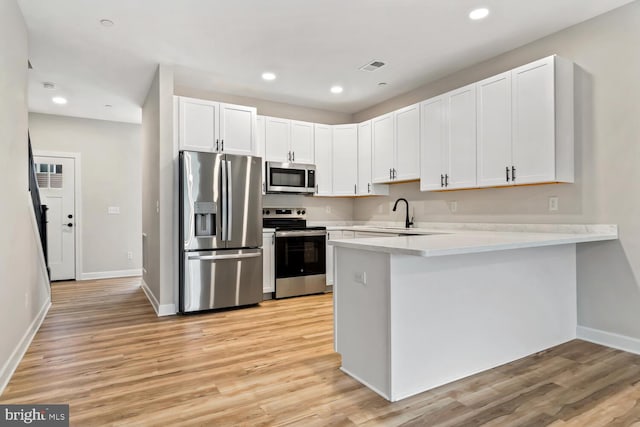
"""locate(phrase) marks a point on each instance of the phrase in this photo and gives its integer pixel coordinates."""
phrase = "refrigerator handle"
(217, 257)
(223, 198)
(229, 201)
(189, 177)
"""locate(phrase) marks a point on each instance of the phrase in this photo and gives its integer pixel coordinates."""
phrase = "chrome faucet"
(407, 223)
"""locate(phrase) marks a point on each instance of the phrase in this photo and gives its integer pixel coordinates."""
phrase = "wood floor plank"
(103, 350)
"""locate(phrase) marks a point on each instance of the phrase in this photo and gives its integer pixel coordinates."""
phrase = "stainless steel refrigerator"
(220, 230)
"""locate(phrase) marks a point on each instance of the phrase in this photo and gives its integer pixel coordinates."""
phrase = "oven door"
(287, 178)
(300, 260)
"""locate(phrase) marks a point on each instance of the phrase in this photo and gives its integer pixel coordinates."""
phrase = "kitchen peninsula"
(416, 312)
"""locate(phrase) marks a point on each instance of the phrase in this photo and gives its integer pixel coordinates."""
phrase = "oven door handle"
(300, 233)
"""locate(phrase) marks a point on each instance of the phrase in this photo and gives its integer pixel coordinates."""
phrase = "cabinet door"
(345, 157)
(432, 143)
(260, 148)
(237, 129)
(268, 263)
(331, 235)
(407, 143)
(301, 142)
(323, 155)
(364, 159)
(494, 129)
(198, 124)
(461, 153)
(533, 104)
(277, 135)
(382, 148)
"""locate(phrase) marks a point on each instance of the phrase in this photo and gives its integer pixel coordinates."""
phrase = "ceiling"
(224, 46)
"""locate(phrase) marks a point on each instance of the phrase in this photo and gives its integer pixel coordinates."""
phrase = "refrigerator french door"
(220, 233)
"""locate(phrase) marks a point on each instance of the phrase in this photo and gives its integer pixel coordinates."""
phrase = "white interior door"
(56, 179)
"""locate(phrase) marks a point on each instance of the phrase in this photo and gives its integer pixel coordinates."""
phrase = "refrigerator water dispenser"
(205, 223)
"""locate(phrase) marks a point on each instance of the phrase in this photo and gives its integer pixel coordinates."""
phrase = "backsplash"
(318, 208)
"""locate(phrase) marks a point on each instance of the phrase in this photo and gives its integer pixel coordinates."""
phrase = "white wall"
(158, 186)
(605, 50)
(110, 176)
(24, 287)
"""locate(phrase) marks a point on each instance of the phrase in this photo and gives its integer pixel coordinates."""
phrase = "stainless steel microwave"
(290, 178)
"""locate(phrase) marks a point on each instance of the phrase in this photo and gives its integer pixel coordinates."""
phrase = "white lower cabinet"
(331, 235)
(268, 263)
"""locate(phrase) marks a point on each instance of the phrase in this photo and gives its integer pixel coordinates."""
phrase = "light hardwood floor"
(103, 351)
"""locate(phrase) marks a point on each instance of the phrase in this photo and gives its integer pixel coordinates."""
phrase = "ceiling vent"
(372, 66)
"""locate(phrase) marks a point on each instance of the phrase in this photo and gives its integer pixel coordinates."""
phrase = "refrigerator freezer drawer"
(220, 279)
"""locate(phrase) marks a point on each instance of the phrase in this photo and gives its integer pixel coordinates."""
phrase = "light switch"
(113, 210)
(361, 278)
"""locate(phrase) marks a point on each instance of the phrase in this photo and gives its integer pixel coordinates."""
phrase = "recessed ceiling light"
(106, 22)
(268, 76)
(108, 105)
(479, 13)
(59, 100)
(48, 85)
(336, 89)
(382, 84)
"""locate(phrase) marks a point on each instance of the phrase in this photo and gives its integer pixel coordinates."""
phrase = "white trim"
(18, 353)
(77, 200)
(610, 339)
(110, 274)
(161, 310)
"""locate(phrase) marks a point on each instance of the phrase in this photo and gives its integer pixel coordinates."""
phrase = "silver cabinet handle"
(507, 172)
(389, 173)
(355, 188)
(300, 233)
(368, 187)
(513, 173)
(217, 145)
(217, 257)
(317, 188)
(293, 156)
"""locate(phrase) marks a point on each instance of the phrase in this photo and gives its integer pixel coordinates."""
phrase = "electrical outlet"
(129, 255)
(453, 206)
(553, 203)
(157, 206)
(361, 278)
(113, 210)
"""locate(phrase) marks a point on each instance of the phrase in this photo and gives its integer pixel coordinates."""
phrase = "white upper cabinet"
(525, 125)
(433, 143)
(396, 145)
(494, 130)
(237, 129)
(383, 148)
(277, 139)
(215, 127)
(407, 143)
(289, 140)
(324, 159)
(345, 151)
(198, 124)
(366, 187)
(461, 149)
(260, 148)
(448, 133)
(302, 142)
(542, 105)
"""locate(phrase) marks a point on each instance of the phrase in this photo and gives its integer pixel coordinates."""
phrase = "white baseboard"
(610, 339)
(160, 309)
(18, 353)
(110, 274)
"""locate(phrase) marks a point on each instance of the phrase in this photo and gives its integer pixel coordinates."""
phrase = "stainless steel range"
(300, 252)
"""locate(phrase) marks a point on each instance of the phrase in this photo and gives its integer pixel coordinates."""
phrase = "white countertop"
(438, 241)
